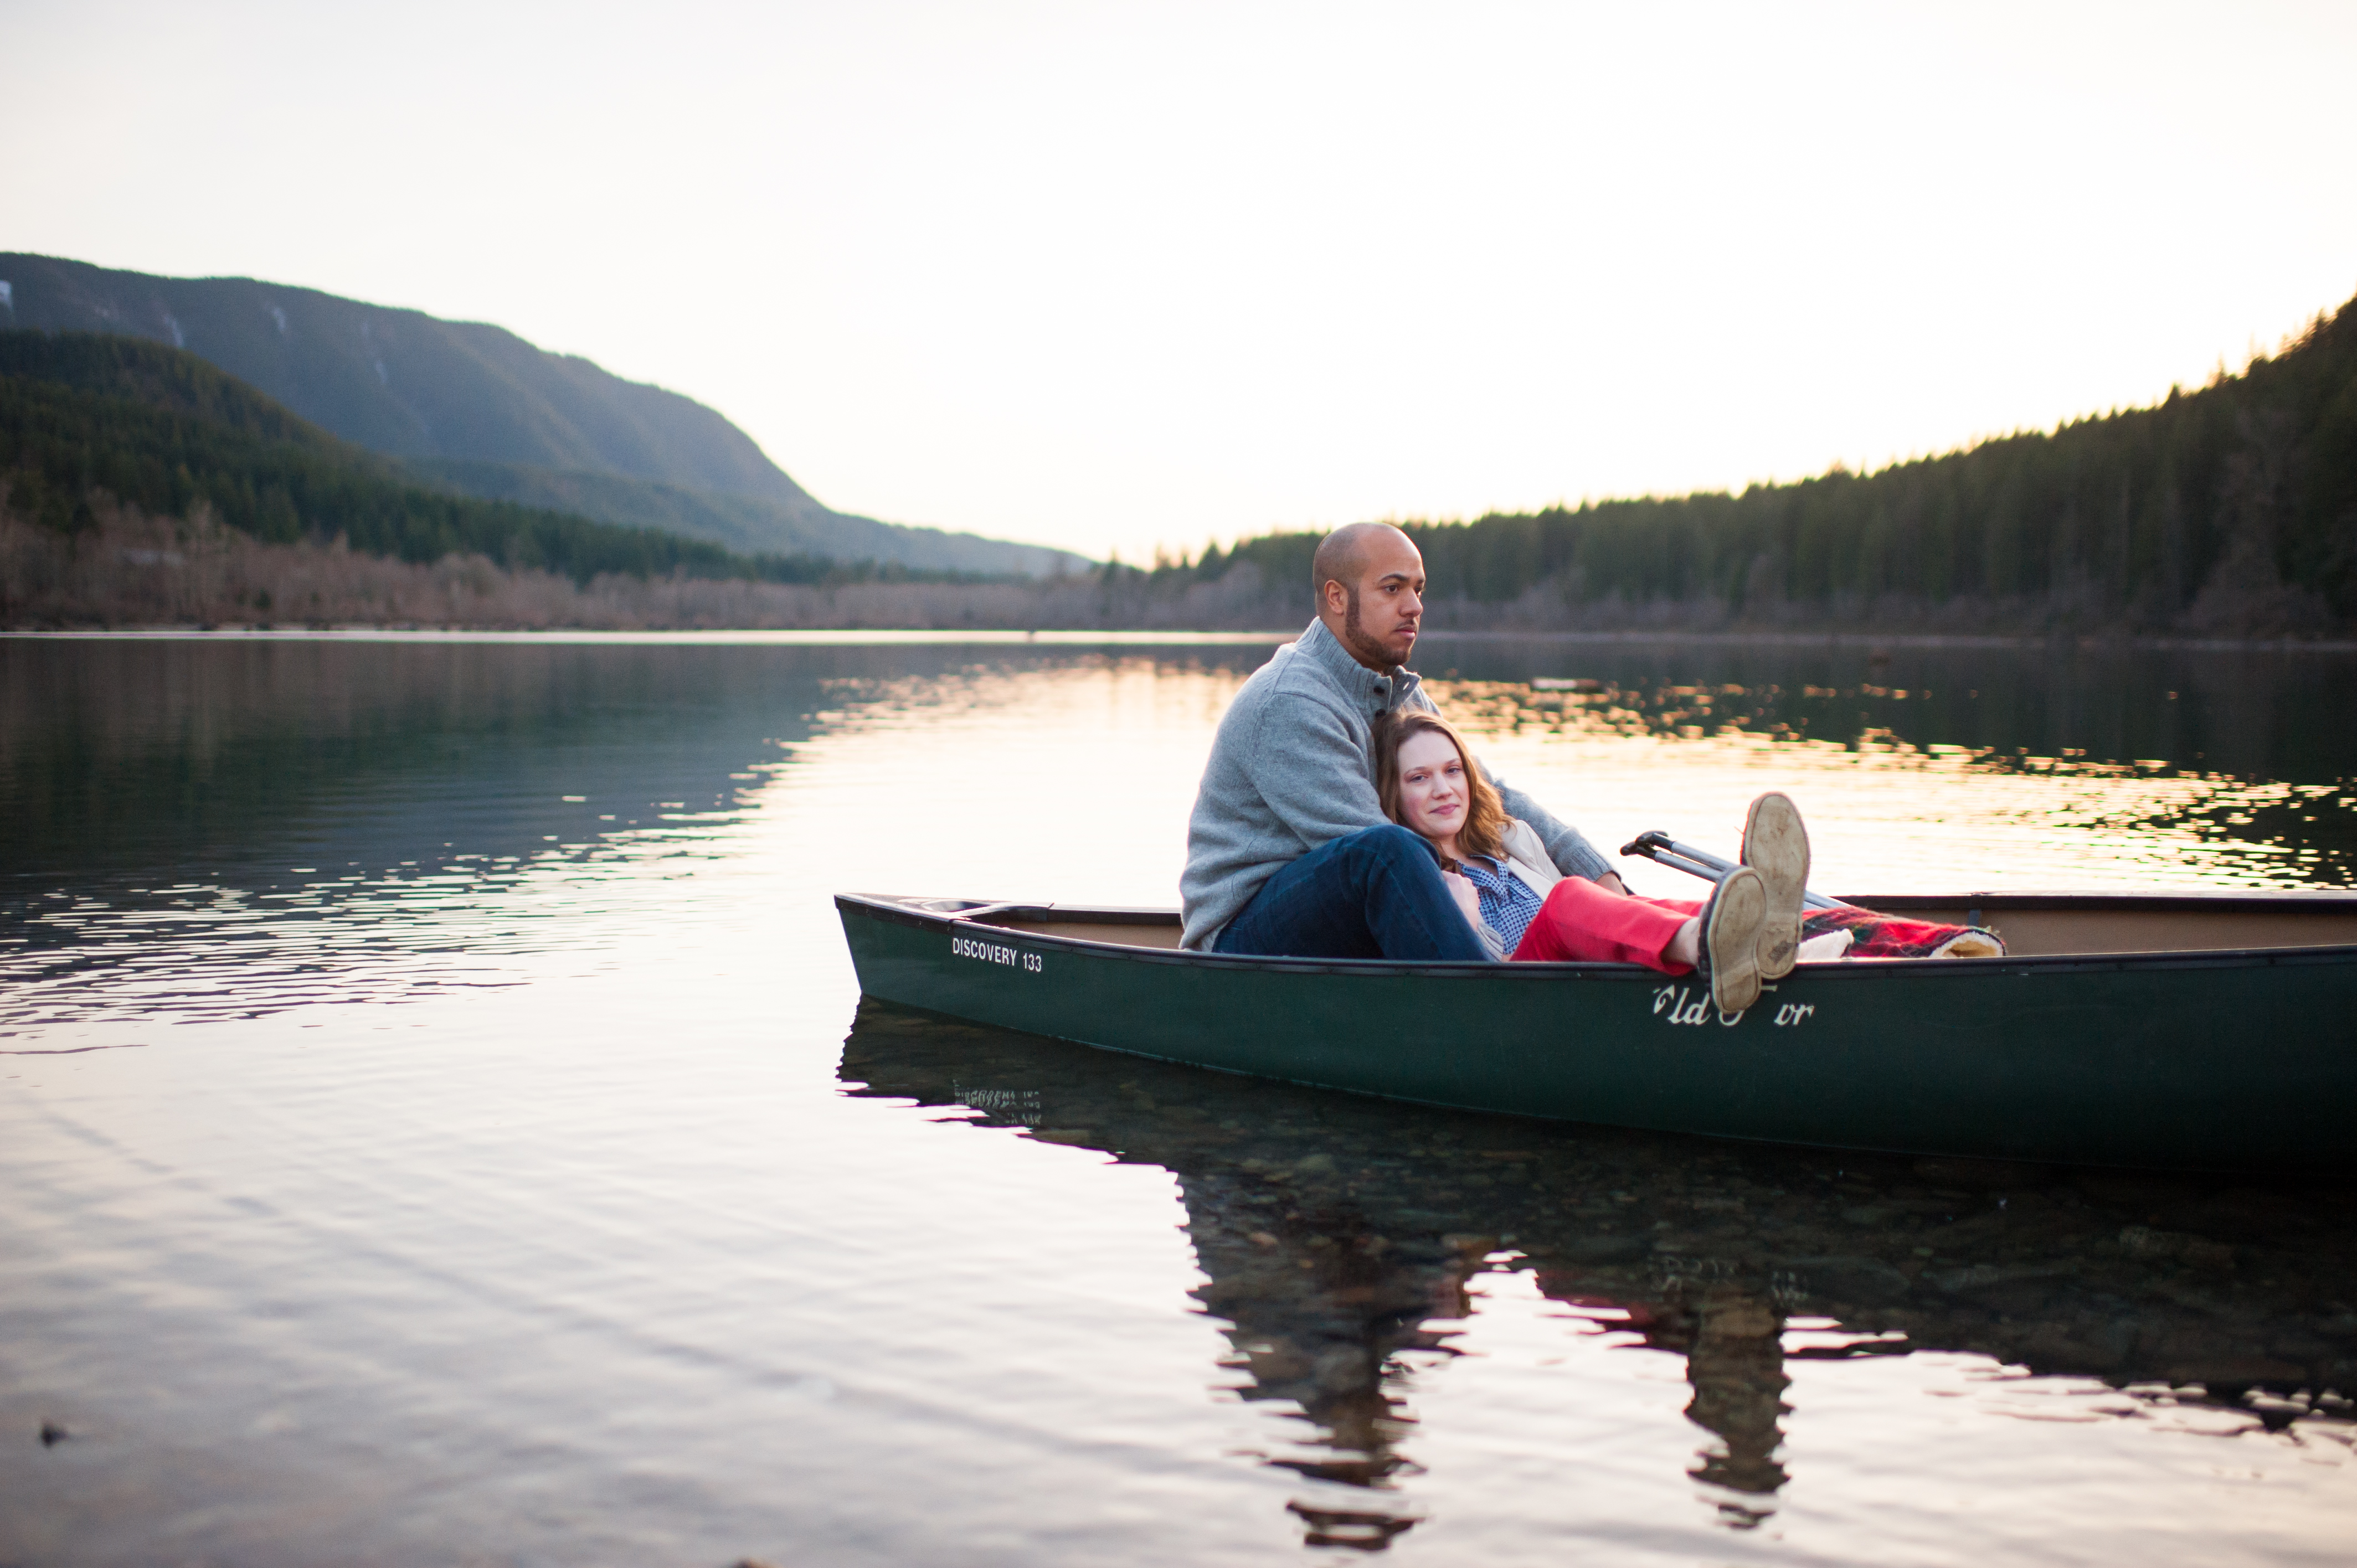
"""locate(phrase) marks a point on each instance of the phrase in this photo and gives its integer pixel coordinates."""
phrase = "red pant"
(1582, 923)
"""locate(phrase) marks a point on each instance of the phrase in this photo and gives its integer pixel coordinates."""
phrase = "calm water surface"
(440, 1126)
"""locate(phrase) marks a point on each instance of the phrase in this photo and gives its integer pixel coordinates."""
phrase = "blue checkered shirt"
(1508, 905)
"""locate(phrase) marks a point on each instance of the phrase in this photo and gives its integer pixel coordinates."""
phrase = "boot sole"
(1776, 845)
(1731, 940)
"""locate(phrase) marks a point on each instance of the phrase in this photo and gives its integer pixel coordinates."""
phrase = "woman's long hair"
(1484, 833)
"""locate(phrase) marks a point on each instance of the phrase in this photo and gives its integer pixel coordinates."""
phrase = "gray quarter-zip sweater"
(1293, 767)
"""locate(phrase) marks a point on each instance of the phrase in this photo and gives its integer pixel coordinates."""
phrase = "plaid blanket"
(1876, 935)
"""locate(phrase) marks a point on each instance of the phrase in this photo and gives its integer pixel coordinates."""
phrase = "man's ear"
(1333, 598)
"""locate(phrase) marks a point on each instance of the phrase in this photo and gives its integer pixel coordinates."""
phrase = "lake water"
(439, 1125)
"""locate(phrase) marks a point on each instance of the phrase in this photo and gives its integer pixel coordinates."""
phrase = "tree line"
(2230, 508)
(2227, 511)
(88, 419)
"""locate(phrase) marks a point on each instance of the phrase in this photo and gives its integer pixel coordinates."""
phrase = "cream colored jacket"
(1526, 857)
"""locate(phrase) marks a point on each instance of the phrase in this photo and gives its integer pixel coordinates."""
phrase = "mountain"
(481, 410)
(747, 524)
(87, 416)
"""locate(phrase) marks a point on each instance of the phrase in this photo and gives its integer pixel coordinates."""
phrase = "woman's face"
(1433, 794)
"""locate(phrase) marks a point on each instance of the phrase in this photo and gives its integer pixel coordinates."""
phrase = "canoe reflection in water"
(1340, 1235)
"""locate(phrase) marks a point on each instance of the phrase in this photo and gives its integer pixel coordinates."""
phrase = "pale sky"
(1110, 275)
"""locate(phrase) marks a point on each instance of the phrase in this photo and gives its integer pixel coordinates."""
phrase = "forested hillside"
(483, 412)
(403, 382)
(87, 420)
(747, 524)
(2229, 511)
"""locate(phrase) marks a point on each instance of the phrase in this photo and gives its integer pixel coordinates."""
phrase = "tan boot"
(1776, 845)
(1731, 939)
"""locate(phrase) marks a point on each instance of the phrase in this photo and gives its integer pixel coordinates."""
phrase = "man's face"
(1380, 612)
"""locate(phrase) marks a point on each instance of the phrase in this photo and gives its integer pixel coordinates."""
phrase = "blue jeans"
(1375, 894)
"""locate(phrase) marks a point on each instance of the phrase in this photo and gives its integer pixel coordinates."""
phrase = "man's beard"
(1367, 650)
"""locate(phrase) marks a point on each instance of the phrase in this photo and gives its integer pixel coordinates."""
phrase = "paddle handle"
(1662, 850)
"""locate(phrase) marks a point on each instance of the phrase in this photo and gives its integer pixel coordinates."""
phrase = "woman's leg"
(1582, 923)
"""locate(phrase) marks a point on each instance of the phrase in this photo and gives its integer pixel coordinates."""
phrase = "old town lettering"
(1684, 1004)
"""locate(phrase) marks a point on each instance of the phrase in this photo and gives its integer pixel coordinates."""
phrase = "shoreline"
(1149, 637)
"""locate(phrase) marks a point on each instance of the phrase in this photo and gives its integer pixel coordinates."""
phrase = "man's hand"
(1468, 899)
(1611, 882)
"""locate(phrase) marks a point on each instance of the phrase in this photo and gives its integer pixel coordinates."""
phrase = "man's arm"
(1312, 772)
(1566, 845)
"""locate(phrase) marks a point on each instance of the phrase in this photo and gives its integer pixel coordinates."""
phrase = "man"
(1289, 852)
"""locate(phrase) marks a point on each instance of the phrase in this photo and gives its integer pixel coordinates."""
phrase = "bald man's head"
(1370, 579)
(1341, 553)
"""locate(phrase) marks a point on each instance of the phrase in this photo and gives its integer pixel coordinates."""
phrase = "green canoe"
(2204, 1031)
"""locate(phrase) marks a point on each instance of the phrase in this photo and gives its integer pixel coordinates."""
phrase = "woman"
(1522, 908)
(1511, 892)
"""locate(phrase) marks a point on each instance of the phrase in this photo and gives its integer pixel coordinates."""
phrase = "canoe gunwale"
(893, 910)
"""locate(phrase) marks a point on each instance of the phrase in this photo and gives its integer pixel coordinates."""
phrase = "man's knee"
(1391, 850)
(1388, 841)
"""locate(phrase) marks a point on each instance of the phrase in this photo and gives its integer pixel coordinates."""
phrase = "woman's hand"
(1462, 890)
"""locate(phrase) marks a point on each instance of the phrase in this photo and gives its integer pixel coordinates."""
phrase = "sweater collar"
(1386, 691)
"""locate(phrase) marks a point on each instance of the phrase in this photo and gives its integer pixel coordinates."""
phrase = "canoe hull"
(2211, 1061)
